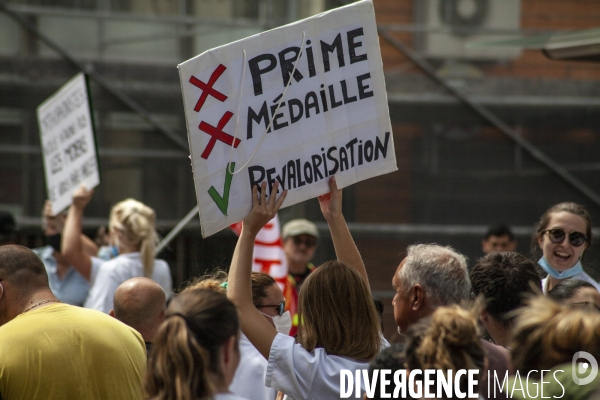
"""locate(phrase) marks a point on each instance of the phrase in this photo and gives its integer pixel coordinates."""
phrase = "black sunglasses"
(558, 235)
(280, 307)
(308, 242)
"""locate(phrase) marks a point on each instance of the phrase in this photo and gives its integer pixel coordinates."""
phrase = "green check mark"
(223, 202)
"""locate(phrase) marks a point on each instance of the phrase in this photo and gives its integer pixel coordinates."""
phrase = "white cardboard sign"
(332, 119)
(68, 144)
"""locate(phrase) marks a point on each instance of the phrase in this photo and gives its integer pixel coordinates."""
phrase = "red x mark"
(207, 87)
(217, 133)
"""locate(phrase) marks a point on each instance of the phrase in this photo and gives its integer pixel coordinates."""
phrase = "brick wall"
(535, 14)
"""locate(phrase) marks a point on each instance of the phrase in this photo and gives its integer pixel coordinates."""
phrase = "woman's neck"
(220, 386)
(125, 249)
(552, 281)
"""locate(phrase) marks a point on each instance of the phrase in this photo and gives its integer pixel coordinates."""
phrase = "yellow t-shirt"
(65, 352)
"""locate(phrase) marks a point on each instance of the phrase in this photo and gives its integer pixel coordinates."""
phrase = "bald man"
(52, 350)
(140, 303)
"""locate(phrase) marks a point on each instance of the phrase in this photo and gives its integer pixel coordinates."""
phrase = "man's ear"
(484, 316)
(417, 297)
(111, 313)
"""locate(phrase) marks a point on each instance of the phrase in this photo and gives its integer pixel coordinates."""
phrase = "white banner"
(68, 144)
(268, 256)
(332, 119)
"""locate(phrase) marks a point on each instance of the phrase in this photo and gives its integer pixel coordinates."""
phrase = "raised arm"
(345, 248)
(73, 248)
(239, 287)
(89, 246)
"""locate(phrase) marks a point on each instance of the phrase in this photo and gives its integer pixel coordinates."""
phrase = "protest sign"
(68, 142)
(295, 104)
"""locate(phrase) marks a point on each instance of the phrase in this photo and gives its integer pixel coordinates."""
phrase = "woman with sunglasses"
(249, 379)
(339, 327)
(563, 233)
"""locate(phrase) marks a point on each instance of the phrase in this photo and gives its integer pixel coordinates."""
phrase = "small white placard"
(68, 144)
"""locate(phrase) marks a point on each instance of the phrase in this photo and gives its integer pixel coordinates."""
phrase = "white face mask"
(283, 323)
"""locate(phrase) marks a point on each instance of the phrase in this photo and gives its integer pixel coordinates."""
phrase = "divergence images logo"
(580, 369)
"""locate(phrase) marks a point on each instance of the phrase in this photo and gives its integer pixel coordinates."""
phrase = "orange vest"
(291, 299)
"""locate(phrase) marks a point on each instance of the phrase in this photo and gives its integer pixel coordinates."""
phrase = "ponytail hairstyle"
(448, 340)
(133, 222)
(185, 358)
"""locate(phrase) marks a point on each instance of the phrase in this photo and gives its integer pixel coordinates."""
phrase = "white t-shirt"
(583, 276)
(249, 378)
(112, 273)
(307, 375)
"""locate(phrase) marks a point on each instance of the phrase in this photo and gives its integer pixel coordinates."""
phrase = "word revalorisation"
(297, 173)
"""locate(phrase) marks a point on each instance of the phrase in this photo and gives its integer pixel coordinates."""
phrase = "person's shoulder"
(98, 318)
(498, 356)
(122, 262)
(584, 276)
(161, 269)
(44, 252)
(160, 264)
(85, 314)
(284, 343)
(110, 264)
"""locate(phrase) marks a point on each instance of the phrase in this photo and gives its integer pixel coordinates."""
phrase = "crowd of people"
(86, 320)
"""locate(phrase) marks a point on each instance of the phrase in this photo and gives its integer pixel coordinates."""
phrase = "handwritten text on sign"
(331, 119)
(67, 139)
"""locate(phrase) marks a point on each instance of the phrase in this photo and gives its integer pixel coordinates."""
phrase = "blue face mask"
(108, 252)
(571, 272)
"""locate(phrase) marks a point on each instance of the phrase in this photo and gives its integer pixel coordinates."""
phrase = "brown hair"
(336, 312)
(23, 268)
(547, 334)
(260, 283)
(573, 208)
(185, 354)
(214, 281)
(447, 340)
(504, 279)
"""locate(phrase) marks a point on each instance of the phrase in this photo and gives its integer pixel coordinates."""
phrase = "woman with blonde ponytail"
(195, 352)
(131, 228)
(133, 239)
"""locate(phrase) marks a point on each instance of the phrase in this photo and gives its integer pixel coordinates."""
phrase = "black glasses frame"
(557, 235)
(280, 307)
